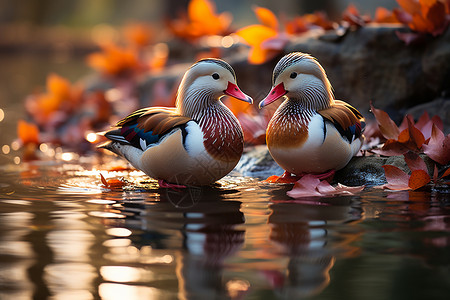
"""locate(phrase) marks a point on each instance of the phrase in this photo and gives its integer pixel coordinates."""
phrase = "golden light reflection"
(6, 149)
(15, 145)
(112, 291)
(2, 115)
(236, 287)
(120, 273)
(106, 215)
(117, 243)
(70, 280)
(100, 201)
(119, 232)
(17, 160)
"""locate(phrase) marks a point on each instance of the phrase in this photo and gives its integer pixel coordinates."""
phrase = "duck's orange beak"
(275, 93)
(234, 91)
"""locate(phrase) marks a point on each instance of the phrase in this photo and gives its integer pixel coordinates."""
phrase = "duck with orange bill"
(310, 132)
(195, 143)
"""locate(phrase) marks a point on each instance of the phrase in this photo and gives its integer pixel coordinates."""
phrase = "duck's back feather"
(347, 119)
(146, 126)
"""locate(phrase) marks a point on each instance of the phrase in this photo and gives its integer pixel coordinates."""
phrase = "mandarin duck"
(195, 143)
(310, 132)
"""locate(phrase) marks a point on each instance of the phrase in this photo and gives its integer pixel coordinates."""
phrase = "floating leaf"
(310, 186)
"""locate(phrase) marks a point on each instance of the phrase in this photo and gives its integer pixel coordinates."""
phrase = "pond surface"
(65, 236)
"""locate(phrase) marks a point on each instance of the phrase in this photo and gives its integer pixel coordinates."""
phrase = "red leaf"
(446, 173)
(414, 161)
(305, 187)
(396, 178)
(105, 183)
(438, 148)
(415, 135)
(418, 179)
(310, 186)
(388, 127)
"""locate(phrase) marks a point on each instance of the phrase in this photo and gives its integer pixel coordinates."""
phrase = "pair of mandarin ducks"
(200, 140)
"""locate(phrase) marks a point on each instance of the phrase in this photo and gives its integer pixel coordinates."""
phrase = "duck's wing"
(146, 126)
(348, 120)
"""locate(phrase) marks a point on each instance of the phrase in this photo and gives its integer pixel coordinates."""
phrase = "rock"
(372, 64)
(361, 170)
(257, 162)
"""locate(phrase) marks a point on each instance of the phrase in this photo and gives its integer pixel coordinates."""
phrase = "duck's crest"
(286, 61)
(219, 62)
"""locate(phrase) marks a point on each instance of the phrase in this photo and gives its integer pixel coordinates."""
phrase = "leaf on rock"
(388, 127)
(396, 178)
(438, 148)
(418, 179)
(266, 17)
(415, 162)
(265, 39)
(28, 133)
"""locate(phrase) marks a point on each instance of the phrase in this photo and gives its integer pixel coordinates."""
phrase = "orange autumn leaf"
(388, 127)
(424, 16)
(418, 179)
(265, 40)
(115, 61)
(60, 96)
(201, 20)
(384, 15)
(112, 183)
(138, 34)
(28, 133)
(353, 17)
(266, 17)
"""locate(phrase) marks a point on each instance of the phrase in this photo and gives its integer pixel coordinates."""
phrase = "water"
(65, 236)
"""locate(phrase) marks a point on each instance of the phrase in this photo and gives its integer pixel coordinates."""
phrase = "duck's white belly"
(170, 161)
(315, 155)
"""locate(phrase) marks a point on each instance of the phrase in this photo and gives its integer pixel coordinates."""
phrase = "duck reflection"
(310, 235)
(198, 227)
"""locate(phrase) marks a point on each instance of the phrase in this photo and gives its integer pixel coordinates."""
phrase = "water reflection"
(196, 229)
(310, 234)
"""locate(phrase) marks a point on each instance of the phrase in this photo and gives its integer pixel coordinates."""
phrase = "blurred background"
(54, 36)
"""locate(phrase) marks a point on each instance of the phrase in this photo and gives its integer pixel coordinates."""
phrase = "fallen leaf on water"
(310, 186)
(112, 183)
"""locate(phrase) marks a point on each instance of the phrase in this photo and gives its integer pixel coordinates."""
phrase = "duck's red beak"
(233, 91)
(275, 93)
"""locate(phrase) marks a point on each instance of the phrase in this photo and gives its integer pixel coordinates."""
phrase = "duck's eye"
(293, 75)
(215, 76)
